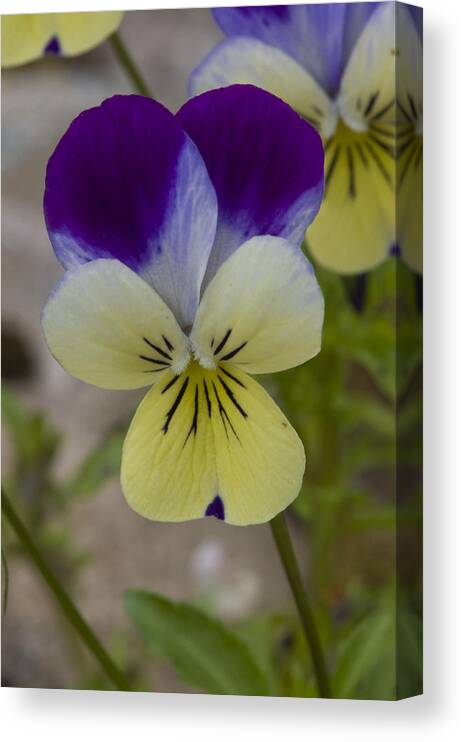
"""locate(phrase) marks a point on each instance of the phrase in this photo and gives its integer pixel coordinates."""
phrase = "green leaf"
(101, 464)
(368, 652)
(35, 440)
(204, 652)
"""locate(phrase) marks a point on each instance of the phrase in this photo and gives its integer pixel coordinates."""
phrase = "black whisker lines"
(382, 111)
(159, 350)
(193, 427)
(169, 345)
(412, 106)
(223, 413)
(155, 361)
(415, 148)
(231, 376)
(331, 167)
(170, 413)
(223, 342)
(233, 352)
(351, 183)
(362, 154)
(208, 401)
(378, 162)
(383, 145)
(232, 397)
(371, 103)
(169, 384)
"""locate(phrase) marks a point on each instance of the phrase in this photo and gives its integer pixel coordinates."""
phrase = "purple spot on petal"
(216, 508)
(53, 46)
(395, 250)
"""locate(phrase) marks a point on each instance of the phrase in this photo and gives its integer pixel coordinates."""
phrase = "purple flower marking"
(216, 508)
(53, 46)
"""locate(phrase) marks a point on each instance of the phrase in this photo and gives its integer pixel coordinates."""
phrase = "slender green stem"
(125, 60)
(290, 565)
(63, 599)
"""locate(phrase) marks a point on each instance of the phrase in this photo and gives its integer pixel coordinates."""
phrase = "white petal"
(368, 84)
(106, 326)
(263, 310)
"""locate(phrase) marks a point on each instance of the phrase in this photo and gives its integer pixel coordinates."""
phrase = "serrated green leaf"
(205, 653)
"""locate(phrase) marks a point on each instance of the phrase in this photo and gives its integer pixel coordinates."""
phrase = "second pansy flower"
(180, 237)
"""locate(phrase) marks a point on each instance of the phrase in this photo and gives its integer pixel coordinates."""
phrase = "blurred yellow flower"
(29, 37)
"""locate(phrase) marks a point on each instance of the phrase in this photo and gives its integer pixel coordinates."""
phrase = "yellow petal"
(247, 60)
(25, 37)
(355, 227)
(262, 311)
(210, 443)
(107, 327)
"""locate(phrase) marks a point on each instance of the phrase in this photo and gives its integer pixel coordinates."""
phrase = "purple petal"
(265, 163)
(319, 37)
(126, 182)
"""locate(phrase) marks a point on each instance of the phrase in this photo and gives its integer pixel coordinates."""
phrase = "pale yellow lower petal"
(211, 443)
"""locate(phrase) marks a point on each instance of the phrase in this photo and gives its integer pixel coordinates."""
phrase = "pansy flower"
(335, 65)
(180, 238)
(29, 37)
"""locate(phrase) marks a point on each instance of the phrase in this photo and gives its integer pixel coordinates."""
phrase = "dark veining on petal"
(386, 147)
(371, 103)
(223, 342)
(378, 162)
(351, 183)
(158, 349)
(193, 427)
(155, 361)
(169, 345)
(232, 398)
(177, 401)
(331, 168)
(412, 106)
(405, 113)
(362, 154)
(382, 111)
(406, 165)
(208, 401)
(231, 376)
(170, 384)
(216, 508)
(223, 414)
(233, 352)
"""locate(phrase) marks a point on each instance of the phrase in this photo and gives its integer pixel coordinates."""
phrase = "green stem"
(125, 60)
(290, 565)
(63, 599)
